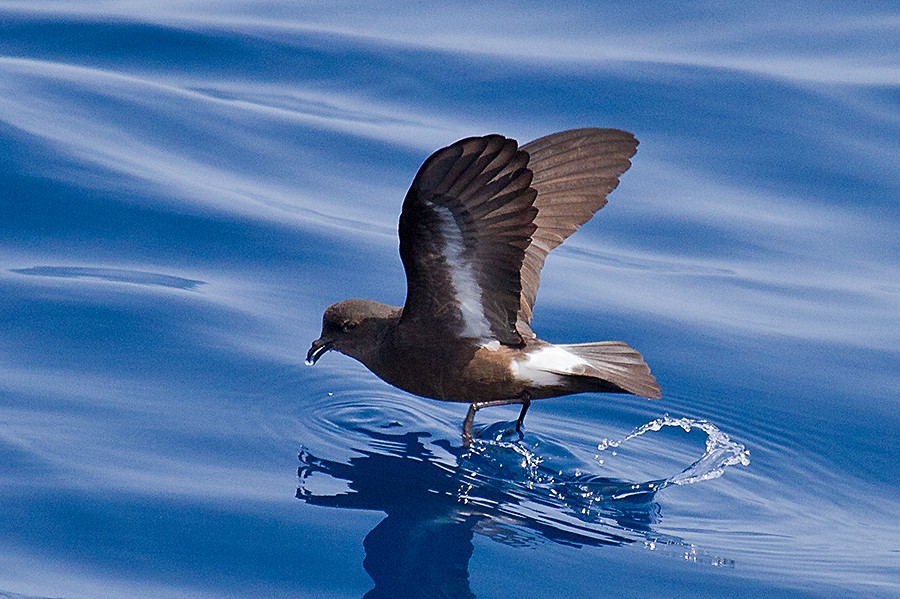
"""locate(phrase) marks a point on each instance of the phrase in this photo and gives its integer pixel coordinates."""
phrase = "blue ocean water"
(184, 186)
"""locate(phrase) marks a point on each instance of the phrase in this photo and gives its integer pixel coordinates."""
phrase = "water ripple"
(520, 490)
(114, 275)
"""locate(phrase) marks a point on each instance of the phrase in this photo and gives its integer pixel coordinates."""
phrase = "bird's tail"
(619, 364)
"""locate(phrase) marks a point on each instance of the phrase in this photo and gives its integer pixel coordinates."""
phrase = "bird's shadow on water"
(437, 497)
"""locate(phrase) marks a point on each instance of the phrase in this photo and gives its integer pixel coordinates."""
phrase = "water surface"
(184, 188)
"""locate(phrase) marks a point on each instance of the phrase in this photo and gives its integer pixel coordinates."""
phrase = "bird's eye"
(348, 326)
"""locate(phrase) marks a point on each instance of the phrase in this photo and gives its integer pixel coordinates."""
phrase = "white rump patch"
(468, 292)
(491, 345)
(545, 365)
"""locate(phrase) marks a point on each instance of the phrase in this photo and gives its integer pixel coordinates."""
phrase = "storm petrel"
(477, 223)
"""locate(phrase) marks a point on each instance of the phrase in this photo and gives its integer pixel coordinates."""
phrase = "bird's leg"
(526, 403)
(467, 426)
(474, 407)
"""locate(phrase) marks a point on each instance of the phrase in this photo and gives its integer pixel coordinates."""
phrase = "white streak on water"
(786, 265)
(58, 103)
(816, 46)
(345, 112)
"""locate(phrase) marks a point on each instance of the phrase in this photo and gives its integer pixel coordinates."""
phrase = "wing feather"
(573, 172)
(466, 223)
(483, 214)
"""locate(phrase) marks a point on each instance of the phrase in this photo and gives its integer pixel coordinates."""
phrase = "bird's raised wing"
(573, 172)
(467, 221)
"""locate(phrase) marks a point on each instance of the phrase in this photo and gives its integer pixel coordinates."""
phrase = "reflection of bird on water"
(422, 548)
(477, 223)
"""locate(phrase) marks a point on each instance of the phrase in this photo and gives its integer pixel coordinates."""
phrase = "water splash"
(541, 480)
(721, 452)
(521, 490)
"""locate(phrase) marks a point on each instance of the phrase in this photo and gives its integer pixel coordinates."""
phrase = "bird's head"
(351, 327)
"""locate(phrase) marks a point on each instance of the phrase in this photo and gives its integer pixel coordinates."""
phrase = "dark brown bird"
(477, 223)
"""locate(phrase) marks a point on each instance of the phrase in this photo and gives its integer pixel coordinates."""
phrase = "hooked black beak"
(319, 347)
